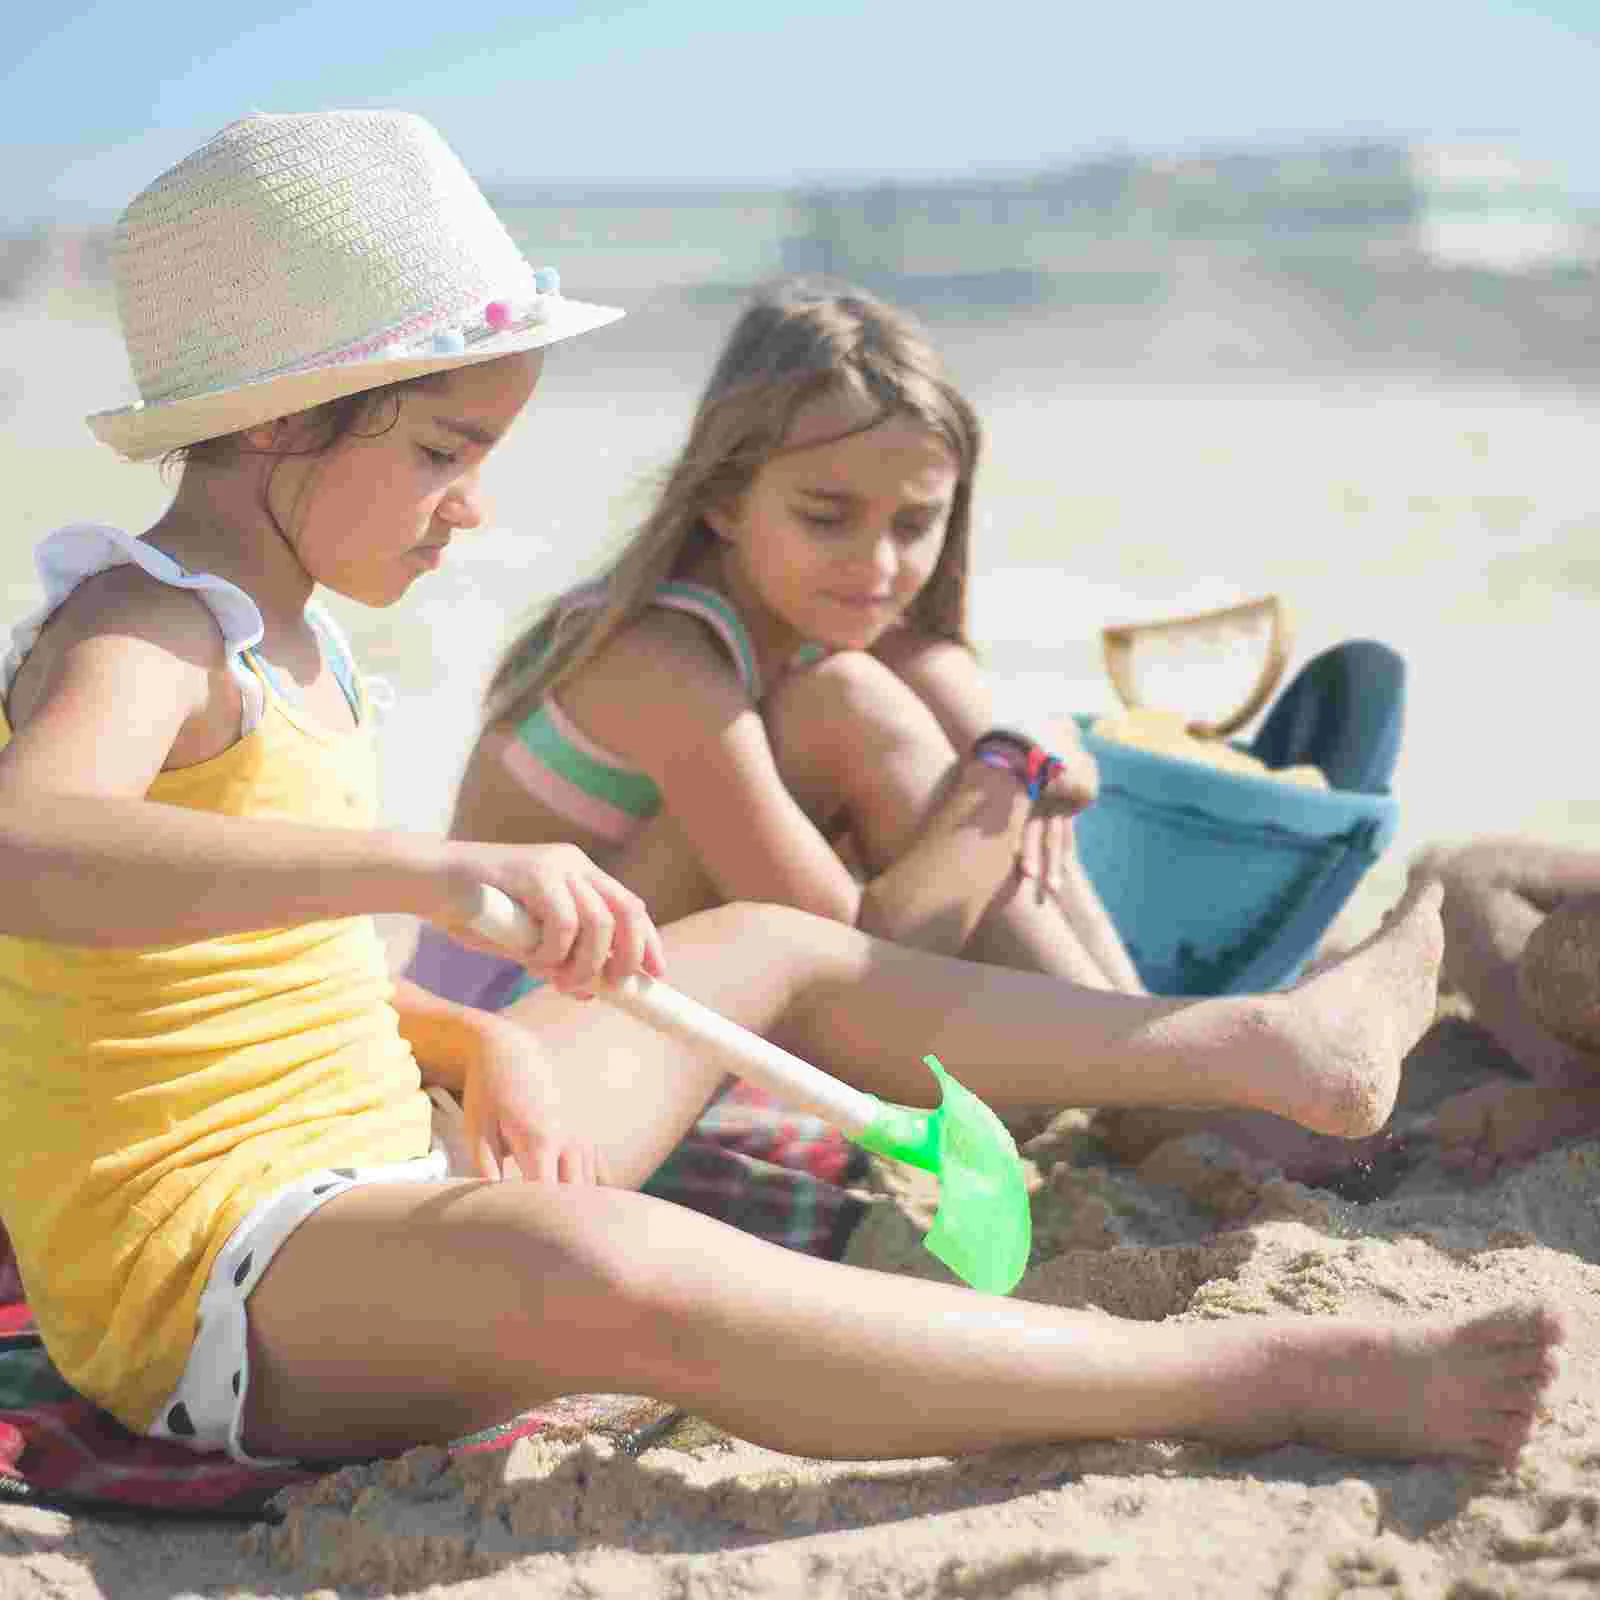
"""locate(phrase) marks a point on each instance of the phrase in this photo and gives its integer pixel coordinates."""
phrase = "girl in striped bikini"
(770, 695)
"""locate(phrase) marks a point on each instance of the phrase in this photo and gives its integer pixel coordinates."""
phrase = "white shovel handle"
(797, 1083)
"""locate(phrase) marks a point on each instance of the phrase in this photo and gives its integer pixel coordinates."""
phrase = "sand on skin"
(1185, 1235)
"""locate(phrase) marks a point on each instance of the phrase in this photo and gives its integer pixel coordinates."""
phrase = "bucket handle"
(1117, 642)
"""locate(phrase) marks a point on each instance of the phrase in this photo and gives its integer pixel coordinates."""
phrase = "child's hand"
(591, 928)
(1074, 787)
(511, 1106)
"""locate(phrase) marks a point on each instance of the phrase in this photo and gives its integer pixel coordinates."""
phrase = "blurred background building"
(1449, 205)
(1380, 252)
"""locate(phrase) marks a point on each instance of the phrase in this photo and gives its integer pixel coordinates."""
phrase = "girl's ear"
(266, 436)
(298, 431)
(723, 520)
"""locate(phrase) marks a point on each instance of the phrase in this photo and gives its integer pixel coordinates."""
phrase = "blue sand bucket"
(1221, 883)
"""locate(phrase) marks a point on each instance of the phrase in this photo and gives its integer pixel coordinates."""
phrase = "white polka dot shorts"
(206, 1410)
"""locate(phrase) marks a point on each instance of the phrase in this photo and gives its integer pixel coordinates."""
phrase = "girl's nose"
(885, 558)
(465, 506)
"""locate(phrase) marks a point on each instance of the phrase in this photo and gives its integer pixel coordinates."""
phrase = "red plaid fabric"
(56, 1448)
(776, 1173)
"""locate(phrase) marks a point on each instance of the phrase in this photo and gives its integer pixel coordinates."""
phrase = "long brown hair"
(795, 343)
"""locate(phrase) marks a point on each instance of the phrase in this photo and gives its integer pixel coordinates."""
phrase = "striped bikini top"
(582, 781)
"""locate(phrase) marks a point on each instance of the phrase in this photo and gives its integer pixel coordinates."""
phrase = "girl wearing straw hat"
(220, 1175)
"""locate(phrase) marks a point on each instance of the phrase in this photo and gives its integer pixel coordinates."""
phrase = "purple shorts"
(469, 977)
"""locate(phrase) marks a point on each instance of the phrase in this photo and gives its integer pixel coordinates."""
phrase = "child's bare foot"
(1469, 1389)
(1266, 1145)
(1507, 1121)
(1340, 1036)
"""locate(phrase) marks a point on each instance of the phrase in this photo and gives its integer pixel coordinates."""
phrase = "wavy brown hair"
(794, 344)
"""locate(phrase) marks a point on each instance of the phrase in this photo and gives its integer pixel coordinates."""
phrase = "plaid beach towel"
(779, 1174)
(748, 1162)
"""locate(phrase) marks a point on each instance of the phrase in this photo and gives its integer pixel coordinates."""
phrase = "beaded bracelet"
(1031, 764)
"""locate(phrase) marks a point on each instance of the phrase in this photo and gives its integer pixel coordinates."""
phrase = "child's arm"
(496, 1068)
(946, 677)
(125, 679)
(663, 696)
(446, 1038)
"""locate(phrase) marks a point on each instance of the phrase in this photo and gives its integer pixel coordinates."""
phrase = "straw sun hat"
(294, 259)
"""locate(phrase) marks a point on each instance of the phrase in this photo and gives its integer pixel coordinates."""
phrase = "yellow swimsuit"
(151, 1097)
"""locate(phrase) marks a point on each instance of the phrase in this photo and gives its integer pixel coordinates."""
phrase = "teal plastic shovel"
(982, 1229)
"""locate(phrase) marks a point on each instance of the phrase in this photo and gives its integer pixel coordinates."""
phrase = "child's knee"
(1465, 871)
(641, 1318)
(598, 1277)
(778, 931)
(851, 700)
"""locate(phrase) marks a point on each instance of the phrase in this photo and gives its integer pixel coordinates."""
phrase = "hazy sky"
(97, 98)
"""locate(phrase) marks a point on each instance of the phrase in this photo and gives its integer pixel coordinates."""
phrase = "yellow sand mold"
(1166, 733)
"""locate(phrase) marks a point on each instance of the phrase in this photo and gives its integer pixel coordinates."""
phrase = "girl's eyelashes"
(908, 529)
(820, 519)
(439, 458)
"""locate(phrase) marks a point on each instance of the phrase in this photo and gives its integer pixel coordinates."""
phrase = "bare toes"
(1537, 1326)
(1421, 899)
(1501, 1448)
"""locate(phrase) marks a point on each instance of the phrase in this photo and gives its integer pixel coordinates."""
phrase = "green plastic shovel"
(982, 1229)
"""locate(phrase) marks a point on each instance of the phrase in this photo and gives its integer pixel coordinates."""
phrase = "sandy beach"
(1183, 1236)
(1453, 521)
